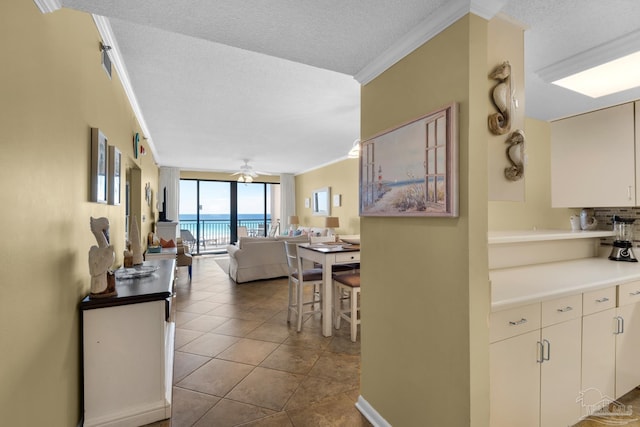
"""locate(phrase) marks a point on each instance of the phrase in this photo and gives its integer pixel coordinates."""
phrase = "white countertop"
(497, 237)
(512, 287)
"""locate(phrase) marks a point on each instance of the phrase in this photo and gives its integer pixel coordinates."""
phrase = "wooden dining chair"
(347, 284)
(299, 279)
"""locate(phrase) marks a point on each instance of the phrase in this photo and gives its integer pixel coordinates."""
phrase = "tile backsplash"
(605, 221)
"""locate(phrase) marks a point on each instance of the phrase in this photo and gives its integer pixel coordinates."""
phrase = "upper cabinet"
(593, 159)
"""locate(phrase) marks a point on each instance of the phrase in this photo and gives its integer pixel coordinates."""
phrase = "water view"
(215, 201)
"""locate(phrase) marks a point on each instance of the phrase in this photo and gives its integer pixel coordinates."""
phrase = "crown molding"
(598, 55)
(425, 31)
(108, 38)
(48, 6)
(486, 9)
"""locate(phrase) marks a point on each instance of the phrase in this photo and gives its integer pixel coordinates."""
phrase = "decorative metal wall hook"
(500, 122)
(516, 155)
(104, 47)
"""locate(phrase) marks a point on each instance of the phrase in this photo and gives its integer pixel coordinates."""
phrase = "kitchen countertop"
(516, 286)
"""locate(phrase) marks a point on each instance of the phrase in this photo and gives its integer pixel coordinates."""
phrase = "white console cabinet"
(167, 230)
(128, 345)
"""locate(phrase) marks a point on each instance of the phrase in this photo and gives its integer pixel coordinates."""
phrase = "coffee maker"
(622, 246)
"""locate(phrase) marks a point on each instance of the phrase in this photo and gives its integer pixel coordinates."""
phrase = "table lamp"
(331, 223)
(293, 221)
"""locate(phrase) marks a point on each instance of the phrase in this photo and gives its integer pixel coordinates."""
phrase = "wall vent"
(106, 60)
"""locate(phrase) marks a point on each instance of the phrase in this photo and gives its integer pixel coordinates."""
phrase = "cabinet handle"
(603, 299)
(629, 192)
(633, 294)
(517, 322)
(564, 310)
(540, 357)
(548, 345)
(619, 325)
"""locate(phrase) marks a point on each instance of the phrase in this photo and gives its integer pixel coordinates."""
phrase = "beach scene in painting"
(404, 172)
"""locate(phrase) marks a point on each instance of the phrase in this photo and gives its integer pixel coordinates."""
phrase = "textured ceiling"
(272, 82)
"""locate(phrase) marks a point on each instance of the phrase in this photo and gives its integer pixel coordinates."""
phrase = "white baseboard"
(371, 414)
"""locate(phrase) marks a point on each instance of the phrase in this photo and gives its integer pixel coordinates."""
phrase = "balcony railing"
(215, 234)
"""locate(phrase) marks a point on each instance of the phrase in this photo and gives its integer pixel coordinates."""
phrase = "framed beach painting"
(412, 169)
(115, 160)
(99, 183)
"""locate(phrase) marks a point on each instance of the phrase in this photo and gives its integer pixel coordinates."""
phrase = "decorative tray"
(133, 272)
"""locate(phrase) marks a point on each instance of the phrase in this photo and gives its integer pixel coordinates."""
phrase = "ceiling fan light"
(354, 153)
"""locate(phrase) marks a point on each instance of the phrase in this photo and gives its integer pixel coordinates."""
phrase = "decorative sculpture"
(500, 122)
(515, 154)
(136, 245)
(101, 257)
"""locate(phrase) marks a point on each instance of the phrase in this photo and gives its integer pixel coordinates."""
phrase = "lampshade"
(332, 222)
(293, 219)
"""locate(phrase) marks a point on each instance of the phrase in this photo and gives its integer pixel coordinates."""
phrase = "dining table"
(328, 255)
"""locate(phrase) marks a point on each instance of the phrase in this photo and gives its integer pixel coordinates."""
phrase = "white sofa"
(256, 258)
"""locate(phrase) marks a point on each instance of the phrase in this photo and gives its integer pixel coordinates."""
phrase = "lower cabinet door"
(628, 349)
(515, 381)
(560, 374)
(598, 360)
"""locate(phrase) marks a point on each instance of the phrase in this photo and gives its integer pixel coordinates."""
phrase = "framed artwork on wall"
(412, 169)
(99, 183)
(115, 160)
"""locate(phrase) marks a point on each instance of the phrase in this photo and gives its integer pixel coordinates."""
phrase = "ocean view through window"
(212, 210)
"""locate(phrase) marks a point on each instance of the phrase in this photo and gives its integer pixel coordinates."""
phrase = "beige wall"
(425, 302)
(536, 210)
(53, 91)
(342, 177)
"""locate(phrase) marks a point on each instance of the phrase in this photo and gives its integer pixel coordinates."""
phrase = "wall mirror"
(321, 205)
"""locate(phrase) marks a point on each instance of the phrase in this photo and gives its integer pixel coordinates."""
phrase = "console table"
(128, 345)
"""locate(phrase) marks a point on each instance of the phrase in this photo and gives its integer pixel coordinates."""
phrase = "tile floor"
(238, 362)
(631, 399)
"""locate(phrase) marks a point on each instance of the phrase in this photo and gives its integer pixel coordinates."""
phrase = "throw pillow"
(167, 244)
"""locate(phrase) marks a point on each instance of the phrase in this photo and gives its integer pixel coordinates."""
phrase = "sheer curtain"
(169, 179)
(287, 199)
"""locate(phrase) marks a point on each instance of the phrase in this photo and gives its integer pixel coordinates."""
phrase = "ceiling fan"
(246, 173)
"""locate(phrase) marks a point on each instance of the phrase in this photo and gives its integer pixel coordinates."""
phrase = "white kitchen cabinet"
(535, 375)
(560, 374)
(560, 339)
(515, 381)
(628, 338)
(593, 159)
(598, 346)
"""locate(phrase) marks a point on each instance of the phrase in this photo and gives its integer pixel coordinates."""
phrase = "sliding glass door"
(215, 213)
(254, 213)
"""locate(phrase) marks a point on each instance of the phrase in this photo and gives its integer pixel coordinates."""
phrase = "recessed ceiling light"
(611, 77)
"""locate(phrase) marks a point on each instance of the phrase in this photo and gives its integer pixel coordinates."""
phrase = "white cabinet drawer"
(515, 321)
(561, 310)
(629, 293)
(348, 257)
(595, 301)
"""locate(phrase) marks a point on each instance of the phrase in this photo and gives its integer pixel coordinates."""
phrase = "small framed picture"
(99, 183)
(115, 160)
